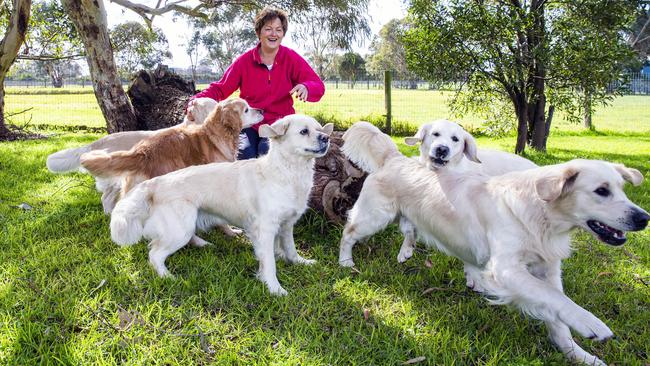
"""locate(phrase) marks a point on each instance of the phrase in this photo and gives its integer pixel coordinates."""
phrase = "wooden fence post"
(387, 87)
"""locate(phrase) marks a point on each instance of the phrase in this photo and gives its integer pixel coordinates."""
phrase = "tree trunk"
(549, 120)
(586, 114)
(537, 103)
(159, 97)
(13, 38)
(521, 110)
(337, 182)
(89, 17)
(57, 80)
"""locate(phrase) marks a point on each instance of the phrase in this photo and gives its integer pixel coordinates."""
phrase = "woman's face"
(271, 34)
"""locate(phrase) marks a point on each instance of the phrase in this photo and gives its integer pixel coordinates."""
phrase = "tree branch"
(645, 26)
(50, 57)
(144, 10)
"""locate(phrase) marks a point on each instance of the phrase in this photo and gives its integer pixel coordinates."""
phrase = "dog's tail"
(102, 164)
(129, 215)
(368, 147)
(66, 160)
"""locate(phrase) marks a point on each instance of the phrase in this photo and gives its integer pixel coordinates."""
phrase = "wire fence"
(412, 101)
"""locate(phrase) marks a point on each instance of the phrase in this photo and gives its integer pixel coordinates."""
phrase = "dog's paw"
(588, 325)
(346, 262)
(473, 284)
(305, 261)
(405, 253)
(198, 242)
(277, 290)
(231, 231)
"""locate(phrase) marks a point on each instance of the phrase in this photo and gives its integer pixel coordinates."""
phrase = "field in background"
(625, 114)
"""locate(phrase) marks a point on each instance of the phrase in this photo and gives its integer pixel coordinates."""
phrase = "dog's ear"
(555, 184)
(232, 114)
(419, 136)
(275, 130)
(471, 150)
(629, 174)
(327, 129)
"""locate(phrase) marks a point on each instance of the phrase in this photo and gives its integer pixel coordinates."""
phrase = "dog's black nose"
(323, 138)
(640, 220)
(442, 151)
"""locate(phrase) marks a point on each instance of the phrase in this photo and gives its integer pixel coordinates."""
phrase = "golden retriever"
(264, 196)
(215, 140)
(512, 230)
(69, 159)
(446, 145)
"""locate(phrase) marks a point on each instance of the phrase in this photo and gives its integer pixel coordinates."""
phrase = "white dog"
(446, 145)
(69, 159)
(264, 196)
(513, 229)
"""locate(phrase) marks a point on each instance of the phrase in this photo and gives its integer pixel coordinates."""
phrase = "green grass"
(626, 114)
(68, 295)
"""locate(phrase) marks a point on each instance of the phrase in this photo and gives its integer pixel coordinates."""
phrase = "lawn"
(626, 114)
(68, 295)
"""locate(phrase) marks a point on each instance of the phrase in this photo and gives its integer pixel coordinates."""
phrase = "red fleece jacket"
(268, 90)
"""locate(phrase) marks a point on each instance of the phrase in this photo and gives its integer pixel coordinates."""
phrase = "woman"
(267, 77)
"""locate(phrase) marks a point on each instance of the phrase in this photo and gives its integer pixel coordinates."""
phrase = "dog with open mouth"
(513, 229)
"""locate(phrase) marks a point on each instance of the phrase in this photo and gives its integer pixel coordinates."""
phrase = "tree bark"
(13, 38)
(89, 17)
(337, 182)
(159, 97)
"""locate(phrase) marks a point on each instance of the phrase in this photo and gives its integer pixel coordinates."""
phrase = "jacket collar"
(278, 58)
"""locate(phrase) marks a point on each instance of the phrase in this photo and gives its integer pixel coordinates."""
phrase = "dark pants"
(257, 146)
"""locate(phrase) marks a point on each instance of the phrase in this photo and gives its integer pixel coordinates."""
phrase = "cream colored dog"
(446, 145)
(69, 159)
(264, 196)
(513, 230)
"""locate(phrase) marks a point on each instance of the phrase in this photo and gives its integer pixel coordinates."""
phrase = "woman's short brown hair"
(268, 14)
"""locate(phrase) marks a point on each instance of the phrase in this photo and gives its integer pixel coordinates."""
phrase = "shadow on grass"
(70, 295)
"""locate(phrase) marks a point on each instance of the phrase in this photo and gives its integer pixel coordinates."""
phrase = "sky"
(380, 13)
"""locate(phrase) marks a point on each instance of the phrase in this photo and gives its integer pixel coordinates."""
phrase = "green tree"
(387, 52)
(226, 34)
(638, 34)
(322, 31)
(52, 41)
(136, 47)
(536, 54)
(352, 67)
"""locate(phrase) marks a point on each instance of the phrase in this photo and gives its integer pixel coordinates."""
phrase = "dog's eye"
(436, 134)
(454, 139)
(602, 191)
(304, 131)
(246, 110)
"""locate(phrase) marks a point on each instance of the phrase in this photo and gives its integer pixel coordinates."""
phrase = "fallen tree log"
(159, 98)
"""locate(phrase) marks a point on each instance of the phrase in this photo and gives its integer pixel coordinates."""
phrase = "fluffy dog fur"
(264, 196)
(178, 147)
(69, 159)
(446, 145)
(513, 230)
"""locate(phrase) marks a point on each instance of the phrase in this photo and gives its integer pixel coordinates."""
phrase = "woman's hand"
(300, 91)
